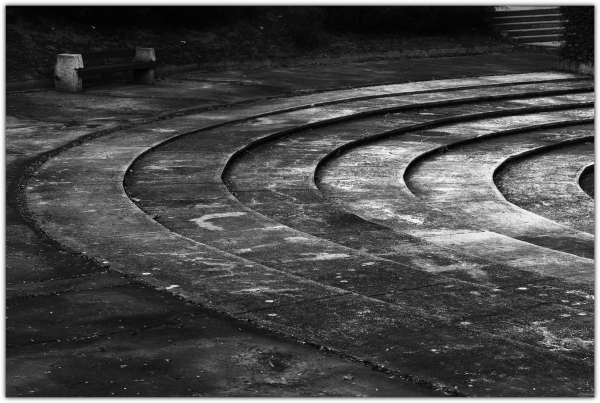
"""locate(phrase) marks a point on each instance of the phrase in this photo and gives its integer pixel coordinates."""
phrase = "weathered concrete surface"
(125, 251)
(274, 179)
(547, 183)
(103, 108)
(265, 174)
(447, 181)
(272, 168)
(378, 169)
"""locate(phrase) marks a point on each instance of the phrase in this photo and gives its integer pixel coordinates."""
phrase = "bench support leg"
(144, 76)
(66, 78)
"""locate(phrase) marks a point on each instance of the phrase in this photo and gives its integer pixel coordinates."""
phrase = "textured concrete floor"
(99, 312)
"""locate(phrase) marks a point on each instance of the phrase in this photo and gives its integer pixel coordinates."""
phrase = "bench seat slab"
(113, 68)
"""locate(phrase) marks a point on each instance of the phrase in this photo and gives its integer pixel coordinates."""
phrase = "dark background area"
(579, 33)
(183, 35)
(207, 34)
(408, 19)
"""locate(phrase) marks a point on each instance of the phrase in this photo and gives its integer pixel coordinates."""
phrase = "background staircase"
(531, 27)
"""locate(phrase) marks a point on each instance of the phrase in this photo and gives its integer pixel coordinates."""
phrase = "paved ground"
(317, 283)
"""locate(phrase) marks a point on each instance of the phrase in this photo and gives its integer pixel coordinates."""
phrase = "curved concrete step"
(264, 177)
(77, 198)
(377, 170)
(444, 181)
(534, 31)
(297, 180)
(547, 183)
(553, 45)
(276, 181)
(276, 174)
(529, 39)
(525, 11)
(554, 17)
(517, 26)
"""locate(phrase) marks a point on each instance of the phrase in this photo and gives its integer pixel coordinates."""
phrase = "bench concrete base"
(66, 78)
(144, 76)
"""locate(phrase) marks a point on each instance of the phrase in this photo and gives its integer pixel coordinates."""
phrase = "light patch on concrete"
(473, 270)
(431, 267)
(345, 111)
(223, 272)
(525, 77)
(325, 256)
(519, 254)
(587, 97)
(273, 185)
(410, 219)
(297, 239)
(203, 221)
(557, 343)
(259, 290)
(374, 208)
(207, 260)
(228, 265)
(157, 168)
(262, 121)
(580, 293)
(210, 205)
(264, 245)
(273, 228)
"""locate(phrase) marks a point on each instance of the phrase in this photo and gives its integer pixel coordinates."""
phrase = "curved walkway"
(77, 198)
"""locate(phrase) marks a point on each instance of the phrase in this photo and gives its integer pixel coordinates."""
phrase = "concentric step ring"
(547, 182)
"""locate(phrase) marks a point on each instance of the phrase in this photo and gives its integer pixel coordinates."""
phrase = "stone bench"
(69, 68)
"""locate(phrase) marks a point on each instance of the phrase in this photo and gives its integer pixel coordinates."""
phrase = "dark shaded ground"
(586, 181)
(132, 341)
(33, 41)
